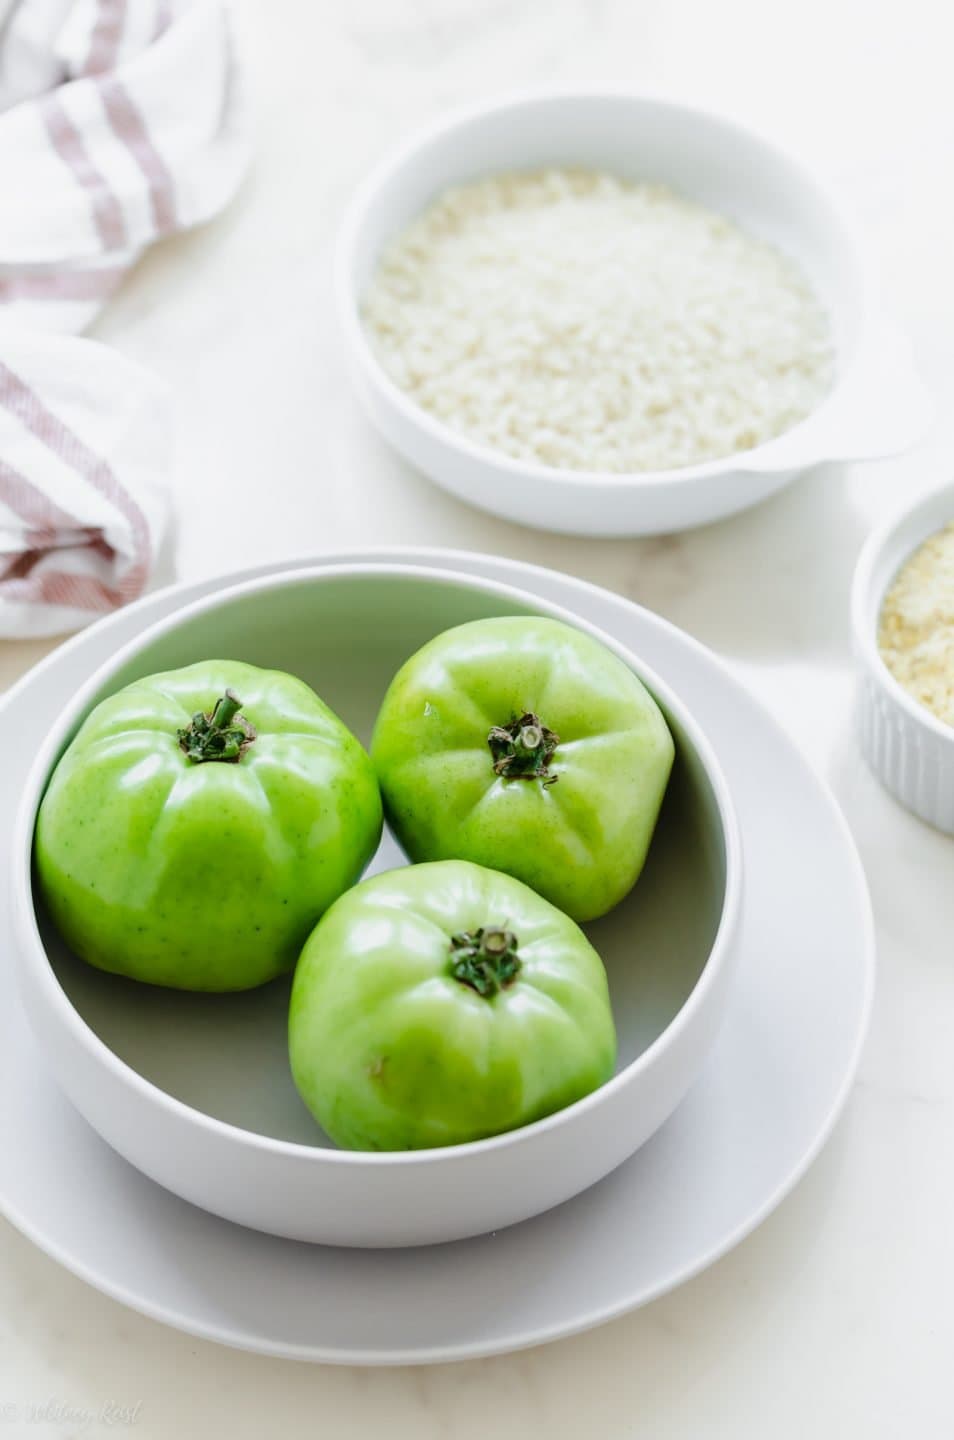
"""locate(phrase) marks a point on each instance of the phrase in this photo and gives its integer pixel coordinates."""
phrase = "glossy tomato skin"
(204, 876)
(578, 835)
(391, 1052)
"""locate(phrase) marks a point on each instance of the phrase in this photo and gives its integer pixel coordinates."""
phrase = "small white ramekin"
(907, 747)
(877, 407)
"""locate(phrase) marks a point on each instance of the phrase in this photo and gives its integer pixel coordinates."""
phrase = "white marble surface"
(833, 1320)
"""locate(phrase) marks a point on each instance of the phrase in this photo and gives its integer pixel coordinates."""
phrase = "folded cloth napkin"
(120, 121)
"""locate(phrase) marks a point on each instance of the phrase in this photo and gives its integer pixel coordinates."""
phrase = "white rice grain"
(585, 322)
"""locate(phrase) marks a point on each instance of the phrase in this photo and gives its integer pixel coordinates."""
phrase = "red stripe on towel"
(59, 587)
(163, 18)
(75, 285)
(106, 36)
(31, 504)
(130, 127)
(68, 144)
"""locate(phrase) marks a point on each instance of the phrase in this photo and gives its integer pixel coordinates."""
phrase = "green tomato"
(190, 838)
(443, 1003)
(527, 746)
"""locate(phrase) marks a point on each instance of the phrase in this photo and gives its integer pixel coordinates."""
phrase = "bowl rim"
(33, 953)
(758, 459)
(881, 543)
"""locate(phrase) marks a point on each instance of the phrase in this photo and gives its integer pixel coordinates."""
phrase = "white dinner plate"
(764, 1105)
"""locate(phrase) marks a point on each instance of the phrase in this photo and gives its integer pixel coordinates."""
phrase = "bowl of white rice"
(612, 315)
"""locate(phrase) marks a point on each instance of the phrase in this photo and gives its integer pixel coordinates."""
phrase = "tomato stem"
(523, 749)
(485, 959)
(223, 734)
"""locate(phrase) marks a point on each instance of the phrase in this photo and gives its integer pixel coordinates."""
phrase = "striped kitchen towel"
(120, 121)
(84, 457)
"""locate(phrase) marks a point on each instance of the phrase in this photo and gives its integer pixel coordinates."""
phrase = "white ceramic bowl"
(877, 407)
(907, 747)
(196, 1090)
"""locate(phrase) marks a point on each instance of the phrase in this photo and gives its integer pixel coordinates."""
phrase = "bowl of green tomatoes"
(373, 905)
